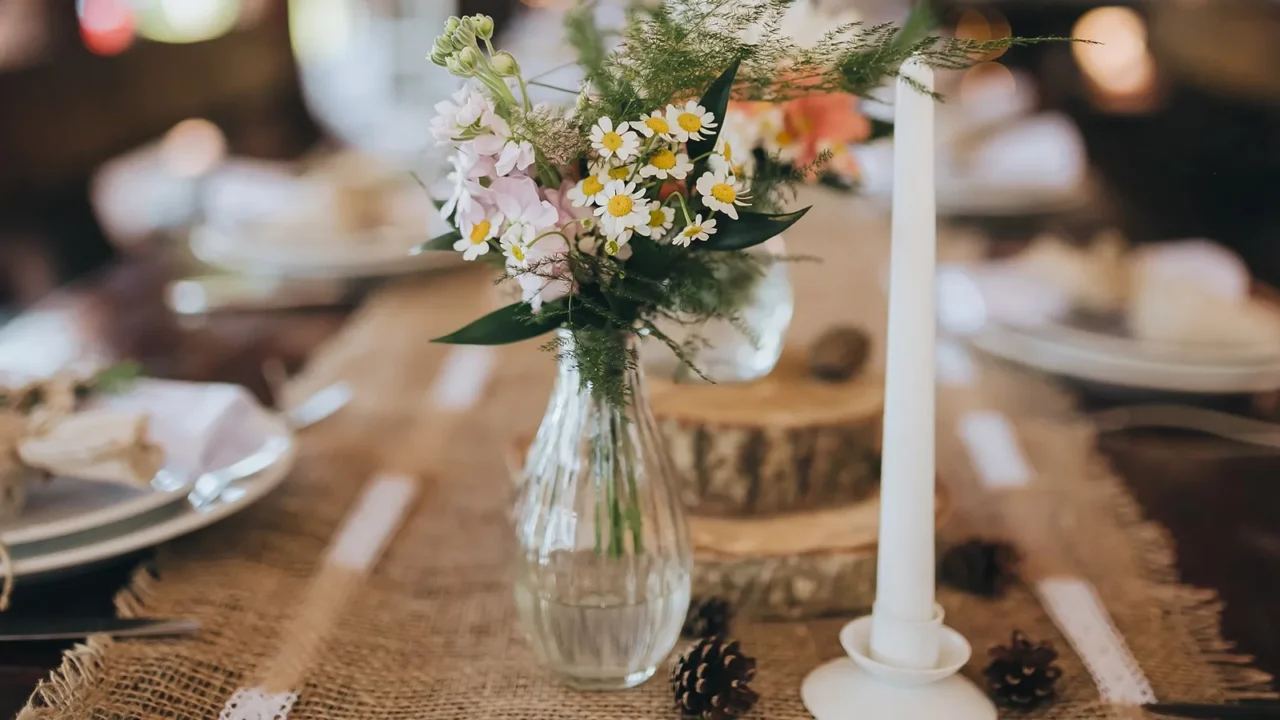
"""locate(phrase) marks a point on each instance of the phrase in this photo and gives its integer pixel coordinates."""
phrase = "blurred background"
(127, 122)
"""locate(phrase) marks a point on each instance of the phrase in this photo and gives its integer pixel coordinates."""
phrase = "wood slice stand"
(785, 443)
(781, 567)
(794, 566)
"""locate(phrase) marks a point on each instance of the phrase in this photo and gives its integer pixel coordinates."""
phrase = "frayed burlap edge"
(1201, 607)
(81, 667)
(83, 664)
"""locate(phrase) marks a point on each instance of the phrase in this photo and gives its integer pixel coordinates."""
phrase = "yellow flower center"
(658, 125)
(784, 138)
(664, 160)
(620, 173)
(728, 152)
(611, 141)
(724, 193)
(611, 248)
(592, 185)
(692, 230)
(517, 253)
(657, 218)
(690, 122)
(621, 205)
(480, 232)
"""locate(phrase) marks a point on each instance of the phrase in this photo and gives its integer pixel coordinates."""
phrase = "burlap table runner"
(433, 634)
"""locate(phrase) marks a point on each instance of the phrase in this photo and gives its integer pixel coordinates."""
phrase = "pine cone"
(711, 681)
(980, 567)
(839, 354)
(1022, 675)
(707, 617)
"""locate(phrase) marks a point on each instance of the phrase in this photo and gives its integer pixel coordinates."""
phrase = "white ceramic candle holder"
(862, 687)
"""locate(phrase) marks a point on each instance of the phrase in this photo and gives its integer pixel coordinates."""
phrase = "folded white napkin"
(99, 445)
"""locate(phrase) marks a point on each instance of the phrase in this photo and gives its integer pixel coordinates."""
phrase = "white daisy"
(622, 207)
(776, 137)
(667, 164)
(514, 249)
(661, 218)
(722, 191)
(588, 190)
(734, 147)
(613, 142)
(614, 170)
(689, 122)
(614, 245)
(699, 229)
(476, 236)
(655, 124)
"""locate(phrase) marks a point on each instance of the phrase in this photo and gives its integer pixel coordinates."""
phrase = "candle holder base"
(859, 687)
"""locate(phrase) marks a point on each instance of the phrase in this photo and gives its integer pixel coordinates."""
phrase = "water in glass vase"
(602, 623)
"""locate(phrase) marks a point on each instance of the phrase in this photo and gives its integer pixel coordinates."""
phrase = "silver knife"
(76, 628)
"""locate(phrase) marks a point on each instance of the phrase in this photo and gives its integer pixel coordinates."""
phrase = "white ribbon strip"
(258, 704)
(372, 523)
(1077, 610)
(463, 375)
(354, 550)
(993, 448)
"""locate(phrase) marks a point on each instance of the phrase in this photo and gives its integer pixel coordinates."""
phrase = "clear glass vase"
(733, 352)
(603, 563)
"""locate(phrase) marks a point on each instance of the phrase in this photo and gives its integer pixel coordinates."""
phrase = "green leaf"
(116, 378)
(716, 100)
(510, 324)
(749, 230)
(443, 242)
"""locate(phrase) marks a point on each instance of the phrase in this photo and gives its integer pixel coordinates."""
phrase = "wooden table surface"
(1220, 500)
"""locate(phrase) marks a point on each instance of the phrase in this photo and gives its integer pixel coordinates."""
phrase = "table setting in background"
(741, 477)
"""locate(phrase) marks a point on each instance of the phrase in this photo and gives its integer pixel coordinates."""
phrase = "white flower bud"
(469, 58)
(504, 63)
(483, 26)
(465, 35)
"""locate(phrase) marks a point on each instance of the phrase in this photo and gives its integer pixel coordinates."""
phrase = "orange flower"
(827, 120)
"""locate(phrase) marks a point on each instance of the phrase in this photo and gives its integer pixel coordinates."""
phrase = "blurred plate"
(57, 557)
(1112, 359)
(202, 428)
(300, 252)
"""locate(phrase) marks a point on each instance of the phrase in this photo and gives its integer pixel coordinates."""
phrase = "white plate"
(57, 556)
(262, 250)
(202, 428)
(1126, 362)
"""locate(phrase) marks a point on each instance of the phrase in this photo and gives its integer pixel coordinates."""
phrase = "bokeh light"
(985, 80)
(106, 26)
(193, 147)
(1119, 65)
(983, 26)
(320, 29)
(186, 21)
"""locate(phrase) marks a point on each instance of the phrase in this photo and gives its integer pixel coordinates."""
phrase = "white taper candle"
(905, 590)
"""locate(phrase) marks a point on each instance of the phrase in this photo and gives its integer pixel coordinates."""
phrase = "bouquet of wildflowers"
(639, 201)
